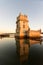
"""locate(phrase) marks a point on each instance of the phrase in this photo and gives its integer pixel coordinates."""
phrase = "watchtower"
(21, 25)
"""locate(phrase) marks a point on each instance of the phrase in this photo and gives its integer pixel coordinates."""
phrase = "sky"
(10, 9)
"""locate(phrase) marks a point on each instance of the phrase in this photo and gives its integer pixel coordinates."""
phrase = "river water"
(20, 52)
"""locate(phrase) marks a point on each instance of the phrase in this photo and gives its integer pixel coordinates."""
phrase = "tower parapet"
(22, 17)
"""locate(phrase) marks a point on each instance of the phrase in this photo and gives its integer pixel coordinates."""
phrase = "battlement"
(22, 17)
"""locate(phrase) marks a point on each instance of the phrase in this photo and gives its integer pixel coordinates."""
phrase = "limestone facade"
(22, 27)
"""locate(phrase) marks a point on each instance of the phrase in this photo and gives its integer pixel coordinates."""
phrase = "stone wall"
(34, 33)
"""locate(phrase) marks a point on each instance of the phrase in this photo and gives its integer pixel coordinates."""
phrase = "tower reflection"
(23, 49)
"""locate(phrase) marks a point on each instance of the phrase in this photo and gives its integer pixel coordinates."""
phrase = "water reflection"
(32, 42)
(23, 49)
(20, 52)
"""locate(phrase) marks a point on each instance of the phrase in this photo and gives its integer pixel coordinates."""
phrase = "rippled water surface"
(20, 52)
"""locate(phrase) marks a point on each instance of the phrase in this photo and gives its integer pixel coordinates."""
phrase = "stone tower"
(22, 25)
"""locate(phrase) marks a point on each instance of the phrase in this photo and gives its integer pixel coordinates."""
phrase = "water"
(20, 52)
